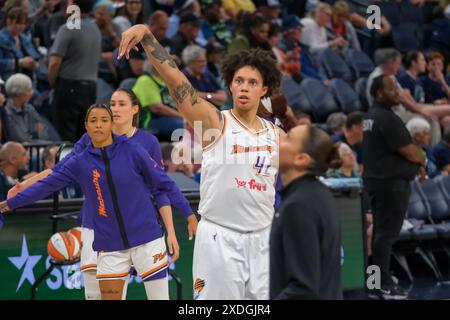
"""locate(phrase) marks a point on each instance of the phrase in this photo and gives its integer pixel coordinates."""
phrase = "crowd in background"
(50, 73)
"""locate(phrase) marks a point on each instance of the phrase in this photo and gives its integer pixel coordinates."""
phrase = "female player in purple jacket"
(125, 108)
(117, 177)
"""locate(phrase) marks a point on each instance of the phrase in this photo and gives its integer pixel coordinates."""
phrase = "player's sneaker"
(389, 292)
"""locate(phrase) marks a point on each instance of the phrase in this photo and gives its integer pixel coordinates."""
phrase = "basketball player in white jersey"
(239, 169)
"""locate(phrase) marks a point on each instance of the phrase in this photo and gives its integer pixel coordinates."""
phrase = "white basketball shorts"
(149, 260)
(230, 265)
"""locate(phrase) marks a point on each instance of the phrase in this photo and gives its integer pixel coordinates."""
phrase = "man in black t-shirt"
(390, 161)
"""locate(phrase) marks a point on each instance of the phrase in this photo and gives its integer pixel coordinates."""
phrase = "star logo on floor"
(25, 260)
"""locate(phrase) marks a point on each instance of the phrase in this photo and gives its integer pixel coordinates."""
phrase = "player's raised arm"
(192, 107)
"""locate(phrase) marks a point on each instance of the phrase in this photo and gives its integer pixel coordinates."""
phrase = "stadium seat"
(319, 98)
(334, 65)
(411, 12)
(438, 194)
(360, 64)
(391, 11)
(438, 205)
(346, 97)
(407, 36)
(297, 100)
(421, 233)
(360, 88)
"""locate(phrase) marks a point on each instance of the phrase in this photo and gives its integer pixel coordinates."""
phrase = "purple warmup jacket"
(117, 182)
(151, 144)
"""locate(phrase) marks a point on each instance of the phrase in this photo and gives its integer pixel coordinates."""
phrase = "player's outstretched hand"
(18, 187)
(4, 207)
(131, 38)
(192, 225)
(173, 247)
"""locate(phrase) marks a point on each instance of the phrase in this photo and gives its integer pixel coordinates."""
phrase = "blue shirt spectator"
(441, 152)
(194, 58)
(13, 57)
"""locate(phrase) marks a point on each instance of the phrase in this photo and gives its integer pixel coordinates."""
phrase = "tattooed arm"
(192, 107)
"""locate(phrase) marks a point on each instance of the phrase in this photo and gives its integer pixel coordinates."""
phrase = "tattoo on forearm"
(159, 53)
(182, 91)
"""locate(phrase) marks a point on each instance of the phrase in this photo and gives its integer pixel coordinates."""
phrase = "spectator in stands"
(419, 129)
(56, 20)
(274, 37)
(233, 7)
(441, 153)
(26, 124)
(194, 59)
(176, 149)
(14, 160)
(17, 52)
(291, 41)
(352, 134)
(214, 29)
(341, 26)
(315, 33)
(4, 123)
(158, 24)
(440, 38)
(159, 111)
(181, 7)
(72, 72)
(389, 62)
(336, 123)
(254, 33)
(186, 35)
(214, 54)
(269, 9)
(349, 167)
(103, 12)
(435, 85)
(130, 14)
(415, 65)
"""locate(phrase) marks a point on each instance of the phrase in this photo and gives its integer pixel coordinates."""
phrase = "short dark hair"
(85, 5)
(354, 118)
(256, 58)
(410, 57)
(46, 154)
(377, 85)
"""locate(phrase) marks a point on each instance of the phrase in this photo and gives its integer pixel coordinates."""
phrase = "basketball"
(63, 246)
(76, 231)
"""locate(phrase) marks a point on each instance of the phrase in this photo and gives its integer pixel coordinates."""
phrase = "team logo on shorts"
(199, 285)
(159, 257)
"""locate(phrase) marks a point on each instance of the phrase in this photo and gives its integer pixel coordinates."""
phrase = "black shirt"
(384, 134)
(305, 242)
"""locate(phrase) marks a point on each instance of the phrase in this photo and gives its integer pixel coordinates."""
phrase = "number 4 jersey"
(239, 171)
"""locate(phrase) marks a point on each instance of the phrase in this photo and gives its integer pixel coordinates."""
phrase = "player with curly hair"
(239, 169)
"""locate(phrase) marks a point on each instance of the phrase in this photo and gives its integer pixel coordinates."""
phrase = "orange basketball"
(63, 246)
(77, 233)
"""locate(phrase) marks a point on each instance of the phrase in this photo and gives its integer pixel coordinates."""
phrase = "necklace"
(133, 132)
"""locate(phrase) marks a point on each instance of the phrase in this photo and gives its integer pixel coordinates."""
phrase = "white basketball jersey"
(238, 176)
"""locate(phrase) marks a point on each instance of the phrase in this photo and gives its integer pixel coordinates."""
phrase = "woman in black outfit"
(305, 258)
